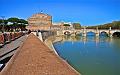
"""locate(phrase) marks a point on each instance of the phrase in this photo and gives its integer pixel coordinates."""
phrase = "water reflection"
(87, 38)
(90, 34)
(91, 55)
(116, 44)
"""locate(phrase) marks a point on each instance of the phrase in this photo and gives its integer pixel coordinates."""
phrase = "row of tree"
(13, 24)
(113, 25)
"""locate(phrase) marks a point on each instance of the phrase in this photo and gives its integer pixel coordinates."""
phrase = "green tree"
(66, 25)
(1, 24)
(15, 23)
(22, 24)
(1, 21)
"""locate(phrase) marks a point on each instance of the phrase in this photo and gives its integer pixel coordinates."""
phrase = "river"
(91, 55)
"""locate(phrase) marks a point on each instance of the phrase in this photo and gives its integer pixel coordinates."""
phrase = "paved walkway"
(35, 58)
(9, 49)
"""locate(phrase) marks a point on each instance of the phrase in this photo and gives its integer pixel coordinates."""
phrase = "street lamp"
(3, 17)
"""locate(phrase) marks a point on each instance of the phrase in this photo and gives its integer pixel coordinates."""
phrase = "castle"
(39, 21)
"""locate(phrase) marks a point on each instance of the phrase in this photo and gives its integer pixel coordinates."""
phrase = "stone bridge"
(84, 32)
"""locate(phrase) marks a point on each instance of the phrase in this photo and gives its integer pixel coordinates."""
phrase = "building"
(60, 26)
(57, 26)
(39, 21)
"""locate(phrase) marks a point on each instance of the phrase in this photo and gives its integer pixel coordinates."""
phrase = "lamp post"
(3, 17)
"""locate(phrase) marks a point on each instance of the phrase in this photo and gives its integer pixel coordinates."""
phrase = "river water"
(91, 55)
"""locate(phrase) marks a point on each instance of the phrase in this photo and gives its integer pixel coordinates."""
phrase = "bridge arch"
(84, 32)
(116, 34)
(103, 33)
(90, 30)
(106, 31)
(67, 33)
(90, 33)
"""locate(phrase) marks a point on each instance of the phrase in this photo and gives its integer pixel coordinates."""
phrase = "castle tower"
(39, 21)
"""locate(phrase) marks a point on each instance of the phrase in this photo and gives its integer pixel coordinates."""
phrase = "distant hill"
(113, 25)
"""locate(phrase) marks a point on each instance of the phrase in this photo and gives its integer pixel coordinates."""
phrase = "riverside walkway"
(9, 49)
(35, 58)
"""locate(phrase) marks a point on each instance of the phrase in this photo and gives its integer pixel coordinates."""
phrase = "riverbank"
(49, 42)
(35, 58)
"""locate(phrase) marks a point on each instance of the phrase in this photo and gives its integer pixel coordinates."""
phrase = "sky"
(86, 12)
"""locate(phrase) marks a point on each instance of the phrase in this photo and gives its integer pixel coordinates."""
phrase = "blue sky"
(87, 12)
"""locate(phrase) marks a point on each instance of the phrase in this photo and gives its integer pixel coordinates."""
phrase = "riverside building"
(39, 21)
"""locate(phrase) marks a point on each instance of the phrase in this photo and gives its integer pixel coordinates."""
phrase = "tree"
(17, 24)
(22, 24)
(113, 25)
(76, 26)
(14, 21)
(66, 25)
(3, 22)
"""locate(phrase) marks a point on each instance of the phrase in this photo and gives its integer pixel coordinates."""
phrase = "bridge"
(84, 32)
